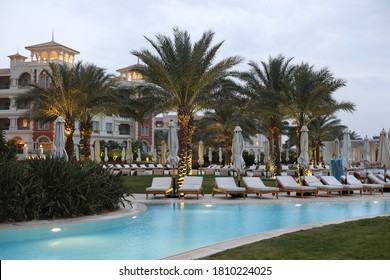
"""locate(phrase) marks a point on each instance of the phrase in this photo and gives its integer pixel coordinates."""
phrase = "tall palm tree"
(266, 86)
(98, 95)
(47, 103)
(310, 96)
(217, 125)
(323, 128)
(180, 77)
(77, 93)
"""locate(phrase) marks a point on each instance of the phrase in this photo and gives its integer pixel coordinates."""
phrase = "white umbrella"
(266, 152)
(25, 150)
(154, 154)
(220, 155)
(303, 159)
(59, 138)
(97, 151)
(210, 155)
(237, 149)
(123, 154)
(76, 152)
(163, 152)
(129, 156)
(384, 152)
(366, 152)
(92, 152)
(173, 146)
(105, 154)
(139, 155)
(200, 153)
(346, 150)
(336, 151)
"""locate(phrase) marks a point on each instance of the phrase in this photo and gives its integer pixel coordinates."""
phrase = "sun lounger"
(160, 185)
(228, 186)
(331, 180)
(352, 180)
(255, 185)
(192, 185)
(290, 185)
(376, 180)
(314, 181)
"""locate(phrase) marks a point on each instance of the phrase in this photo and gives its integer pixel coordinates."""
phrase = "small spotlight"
(55, 229)
(208, 205)
(376, 201)
(134, 217)
(298, 205)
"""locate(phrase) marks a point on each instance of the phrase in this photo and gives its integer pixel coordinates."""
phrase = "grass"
(358, 240)
(138, 184)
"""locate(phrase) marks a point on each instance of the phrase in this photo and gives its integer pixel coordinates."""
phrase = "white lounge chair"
(191, 185)
(228, 186)
(314, 181)
(372, 178)
(160, 185)
(381, 177)
(290, 185)
(352, 180)
(331, 180)
(255, 185)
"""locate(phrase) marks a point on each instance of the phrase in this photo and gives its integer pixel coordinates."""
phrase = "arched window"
(25, 79)
(44, 80)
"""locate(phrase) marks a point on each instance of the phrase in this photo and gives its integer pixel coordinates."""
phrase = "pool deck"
(140, 204)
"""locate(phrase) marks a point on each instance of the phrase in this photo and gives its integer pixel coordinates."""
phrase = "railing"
(4, 107)
(4, 87)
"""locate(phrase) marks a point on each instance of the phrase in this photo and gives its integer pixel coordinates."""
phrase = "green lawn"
(359, 240)
(138, 184)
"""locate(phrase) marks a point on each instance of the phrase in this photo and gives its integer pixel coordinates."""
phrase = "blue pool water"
(167, 229)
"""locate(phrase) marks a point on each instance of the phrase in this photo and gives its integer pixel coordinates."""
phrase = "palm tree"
(47, 103)
(310, 96)
(77, 93)
(323, 128)
(180, 78)
(266, 86)
(217, 125)
(98, 95)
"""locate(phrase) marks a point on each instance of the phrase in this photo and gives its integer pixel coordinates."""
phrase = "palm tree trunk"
(190, 132)
(85, 133)
(69, 143)
(183, 119)
(275, 150)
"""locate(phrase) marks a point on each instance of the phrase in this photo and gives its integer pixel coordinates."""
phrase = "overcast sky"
(350, 38)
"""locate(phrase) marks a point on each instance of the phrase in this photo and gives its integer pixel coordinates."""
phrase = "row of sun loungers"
(228, 186)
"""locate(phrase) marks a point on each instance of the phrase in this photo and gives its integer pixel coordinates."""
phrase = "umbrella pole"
(384, 172)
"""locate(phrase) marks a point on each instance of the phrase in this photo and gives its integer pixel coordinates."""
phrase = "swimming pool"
(167, 229)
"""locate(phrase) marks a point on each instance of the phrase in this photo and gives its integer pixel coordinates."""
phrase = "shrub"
(54, 188)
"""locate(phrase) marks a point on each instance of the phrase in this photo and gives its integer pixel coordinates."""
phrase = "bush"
(54, 188)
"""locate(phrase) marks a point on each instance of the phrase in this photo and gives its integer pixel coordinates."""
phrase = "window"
(145, 130)
(44, 80)
(124, 129)
(43, 126)
(95, 127)
(23, 124)
(109, 127)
